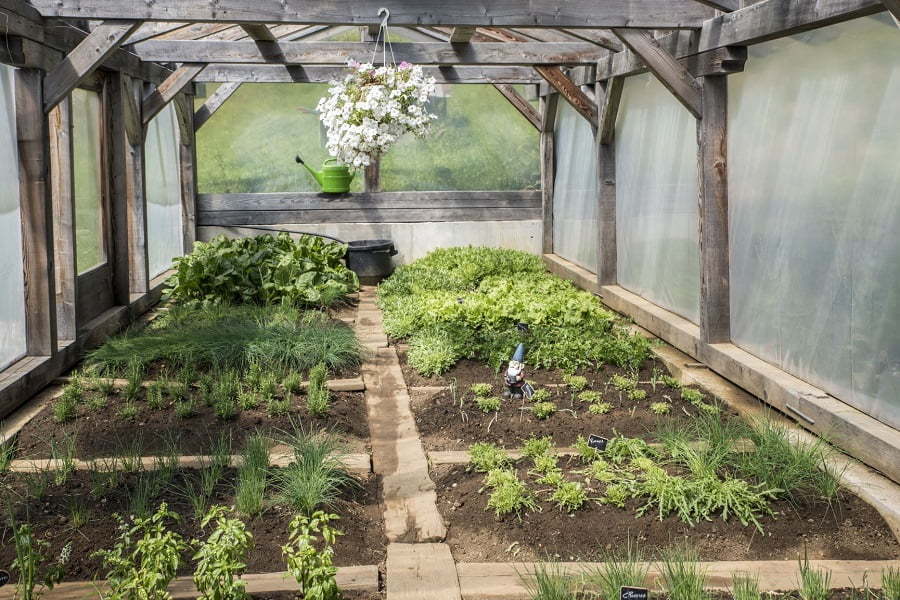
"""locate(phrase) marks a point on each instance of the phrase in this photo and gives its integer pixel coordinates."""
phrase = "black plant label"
(633, 593)
(4, 578)
(599, 443)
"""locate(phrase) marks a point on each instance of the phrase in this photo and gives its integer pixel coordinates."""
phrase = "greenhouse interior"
(471, 300)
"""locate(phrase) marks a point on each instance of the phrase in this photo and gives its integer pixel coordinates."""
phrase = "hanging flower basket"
(372, 107)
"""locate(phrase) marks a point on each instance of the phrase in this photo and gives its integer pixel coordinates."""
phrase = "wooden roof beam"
(571, 92)
(84, 60)
(258, 32)
(520, 104)
(156, 101)
(671, 73)
(723, 5)
(601, 38)
(646, 14)
(338, 53)
(462, 35)
(273, 73)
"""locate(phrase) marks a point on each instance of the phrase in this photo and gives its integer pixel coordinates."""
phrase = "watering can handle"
(330, 160)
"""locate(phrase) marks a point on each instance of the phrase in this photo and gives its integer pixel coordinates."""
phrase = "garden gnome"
(515, 374)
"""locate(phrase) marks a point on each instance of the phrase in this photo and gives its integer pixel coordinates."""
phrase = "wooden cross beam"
(646, 14)
(84, 60)
(299, 74)
(571, 92)
(258, 31)
(723, 5)
(156, 100)
(601, 38)
(462, 35)
(338, 53)
(520, 104)
(666, 67)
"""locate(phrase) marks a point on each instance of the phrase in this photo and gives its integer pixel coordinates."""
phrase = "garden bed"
(104, 432)
(71, 513)
(850, 530)
(445, 425)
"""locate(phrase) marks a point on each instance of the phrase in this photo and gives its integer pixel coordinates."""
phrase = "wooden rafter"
(723, 5)
(462, 35)
(601, 38)
(571, 92)
(671, 73)
(648, 14)
(520, 104)
(84, 60)
(156, 100)
(151, 30)
(299, 74)
(338, 53)
(258, 31)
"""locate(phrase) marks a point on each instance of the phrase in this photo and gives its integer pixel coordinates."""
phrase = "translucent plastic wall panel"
(90, 249)
(12, 297)
(575, 189)
(478, 142)
(814, 194)
(657, 234)
(162, 162)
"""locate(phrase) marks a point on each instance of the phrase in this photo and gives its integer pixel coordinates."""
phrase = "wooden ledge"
(353, 384)
(356, 578)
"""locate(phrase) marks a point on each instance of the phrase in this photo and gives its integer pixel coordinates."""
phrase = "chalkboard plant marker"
(633, 593)
(598, 443)
(4, 578)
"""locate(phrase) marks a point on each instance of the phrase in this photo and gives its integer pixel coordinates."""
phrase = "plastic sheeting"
(657, 239)
(814, 194)
(12, 299)
(575, 190)
(163, 174)
(90, 249)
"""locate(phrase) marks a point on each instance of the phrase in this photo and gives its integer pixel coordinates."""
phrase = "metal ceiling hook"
(384, 19)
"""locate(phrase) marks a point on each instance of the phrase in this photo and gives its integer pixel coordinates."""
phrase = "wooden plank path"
(357, 578)
(503, 581)
(410, 501)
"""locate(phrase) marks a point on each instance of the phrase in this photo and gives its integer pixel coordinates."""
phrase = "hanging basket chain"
(384, 39)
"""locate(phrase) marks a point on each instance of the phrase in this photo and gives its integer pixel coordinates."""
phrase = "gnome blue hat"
(519, 354)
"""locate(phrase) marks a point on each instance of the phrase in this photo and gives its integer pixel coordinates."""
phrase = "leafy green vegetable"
(265, 269)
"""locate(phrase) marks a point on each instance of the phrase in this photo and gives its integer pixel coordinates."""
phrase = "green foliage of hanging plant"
(266, 269)
(475, 300)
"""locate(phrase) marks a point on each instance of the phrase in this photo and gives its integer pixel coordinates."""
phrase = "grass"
(890, 583)
(7, 454)
(681, 574)
(316, 478)
(317, 395)
(548, 582)
(813, 584)
(745, 587)
(620, 567)
(252, 475)
(235, 337)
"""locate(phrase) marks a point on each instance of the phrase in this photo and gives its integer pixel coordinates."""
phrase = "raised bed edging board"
(860, 435)
(361, 578)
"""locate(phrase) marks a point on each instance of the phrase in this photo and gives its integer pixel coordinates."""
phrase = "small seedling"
(537, 446)
(745, 587)
(890, 583)
(278, 407)
(226, 408)
(590, 396)
(600, 470)
(622, 383)
(97, 401)
(248, 400)
(481, 389)
(541, 395)
(660, 408)
(576, 383)
(488, 404)
(600, 408)
(691, 395)
(637, 394)
(552, 478)
(7, 454)
(292, 383)
(184, 409)
(64, 409)
(585, 451)
(317, 395)
(813, 584)
(486, 457)
(616, 494)
(671, 382)
(543, 410)
(128, 411)
(156, 398)
(569, 495)
(545, 463)
(509, 495)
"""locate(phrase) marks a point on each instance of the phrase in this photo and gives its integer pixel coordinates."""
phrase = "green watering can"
(334, 178)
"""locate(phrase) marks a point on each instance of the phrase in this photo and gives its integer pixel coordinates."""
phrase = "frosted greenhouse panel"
(575, 190)
(12, 300)
(90, 249)
(162, 165)
(657, 239)
(814, 184)
(478, 142)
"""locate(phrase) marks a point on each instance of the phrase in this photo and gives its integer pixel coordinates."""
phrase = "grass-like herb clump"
(480, 303)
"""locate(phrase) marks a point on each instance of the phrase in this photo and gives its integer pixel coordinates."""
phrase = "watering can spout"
(316, 174)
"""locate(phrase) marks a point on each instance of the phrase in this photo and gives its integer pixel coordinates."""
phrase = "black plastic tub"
(370, 259)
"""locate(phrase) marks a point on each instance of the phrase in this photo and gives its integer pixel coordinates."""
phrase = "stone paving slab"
(421, 572)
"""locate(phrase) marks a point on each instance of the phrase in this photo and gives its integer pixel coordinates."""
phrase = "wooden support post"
(671, 73)
(131, 264)
(548, 105)
(712, 140)
(608, 94)
(184, 108)
(84, 60)
(63, 199)
(520, 104)
(36, 214)
(570, 92)
(156, 100)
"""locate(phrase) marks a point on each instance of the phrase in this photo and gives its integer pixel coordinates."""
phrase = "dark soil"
(361, 522)
(345, 595)
(444, 426)
(104, 433)
(853, 530)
